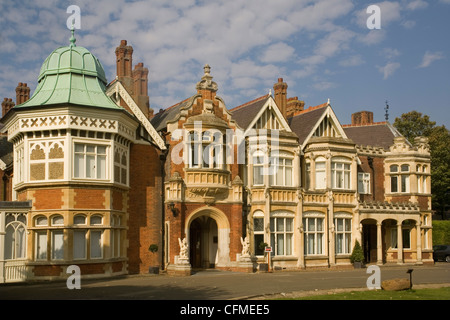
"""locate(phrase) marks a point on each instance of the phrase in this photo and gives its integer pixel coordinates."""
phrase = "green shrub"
(357, 253)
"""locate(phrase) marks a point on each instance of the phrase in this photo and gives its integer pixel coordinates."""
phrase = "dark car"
(441, 253)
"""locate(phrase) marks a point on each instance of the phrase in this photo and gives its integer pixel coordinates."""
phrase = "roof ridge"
(309, 109)
(364, 125)
(249, 102)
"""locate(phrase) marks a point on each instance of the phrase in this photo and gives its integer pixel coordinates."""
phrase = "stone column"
(2, 246)
(399, 243)
(379, 244)
(419, 243)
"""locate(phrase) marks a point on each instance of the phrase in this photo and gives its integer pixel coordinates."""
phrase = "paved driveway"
(218, 285)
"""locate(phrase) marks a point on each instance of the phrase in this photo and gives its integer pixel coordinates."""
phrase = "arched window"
(15, 238)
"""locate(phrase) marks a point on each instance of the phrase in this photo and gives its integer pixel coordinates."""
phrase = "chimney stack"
(140, 89)
(22, 93)
(280, 89)
(362, 118)
(124, 55)
(7, 104)
(294, 106)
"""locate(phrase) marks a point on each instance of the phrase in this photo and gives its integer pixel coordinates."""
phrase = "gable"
(319, 121)
(269, 117)
(118, 89)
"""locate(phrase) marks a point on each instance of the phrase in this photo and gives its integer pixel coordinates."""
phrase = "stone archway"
(208, 234)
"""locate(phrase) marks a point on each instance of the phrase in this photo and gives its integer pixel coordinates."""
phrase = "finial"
(72, 38)
(386, 109)
(207, 69)
(328, 101)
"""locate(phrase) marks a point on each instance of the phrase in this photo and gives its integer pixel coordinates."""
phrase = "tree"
(414, 124)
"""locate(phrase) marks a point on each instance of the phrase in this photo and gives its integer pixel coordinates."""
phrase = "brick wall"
(145, 202)
(376, 170)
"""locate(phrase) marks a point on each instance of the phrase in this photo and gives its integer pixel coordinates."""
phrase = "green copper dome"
(71, 75)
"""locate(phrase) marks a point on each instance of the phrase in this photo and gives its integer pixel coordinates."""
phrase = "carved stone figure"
(183, 249)
(245, 247)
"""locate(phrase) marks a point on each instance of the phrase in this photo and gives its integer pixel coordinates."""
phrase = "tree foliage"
(414, 124)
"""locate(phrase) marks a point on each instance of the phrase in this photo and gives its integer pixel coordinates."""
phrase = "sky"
(322, 49)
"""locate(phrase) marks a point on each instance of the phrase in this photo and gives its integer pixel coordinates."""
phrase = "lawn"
(414, 294)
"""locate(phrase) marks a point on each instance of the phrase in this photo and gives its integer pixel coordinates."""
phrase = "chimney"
(22, 93)
(362, 118)
(280, 89)
(140, 89)
(7, 104)
(124, 60)
(294, 106)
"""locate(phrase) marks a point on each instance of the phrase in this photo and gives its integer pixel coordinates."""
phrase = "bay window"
(258, 233)
(321, 175)
(281, 173)
(90, 161)
(340, 173)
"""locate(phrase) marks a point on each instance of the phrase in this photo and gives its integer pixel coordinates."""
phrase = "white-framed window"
(399, 179)
(90, 161)
(79, 244)
(282, 235)
(19, 167)
(85, 236)
(57, 244)
(343, 234)
(321, 174)
(364, 183)
(282, 173)
(341, 173)
(258, 169)
(421, 173)
(313, 231)
(115, 236)
(406, 238)
(120, 165)
(258, 233)
(41, 245)
(96, 244)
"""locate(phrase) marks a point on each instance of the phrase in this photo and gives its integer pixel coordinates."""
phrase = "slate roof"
(378, 134)
(244, 114)
(303, 122)
(160, 120)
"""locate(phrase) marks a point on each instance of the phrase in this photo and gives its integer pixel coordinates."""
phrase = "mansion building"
(92, 177)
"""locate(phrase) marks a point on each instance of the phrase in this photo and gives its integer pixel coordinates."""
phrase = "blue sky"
(322, 49)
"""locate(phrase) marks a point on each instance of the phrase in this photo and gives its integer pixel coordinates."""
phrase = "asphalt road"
(218, 285)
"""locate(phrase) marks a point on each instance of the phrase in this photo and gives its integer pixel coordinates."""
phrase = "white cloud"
(430, 57)
(390, 53)
(389, 69)
(352, 61)
(278, 52)
(416, 4)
